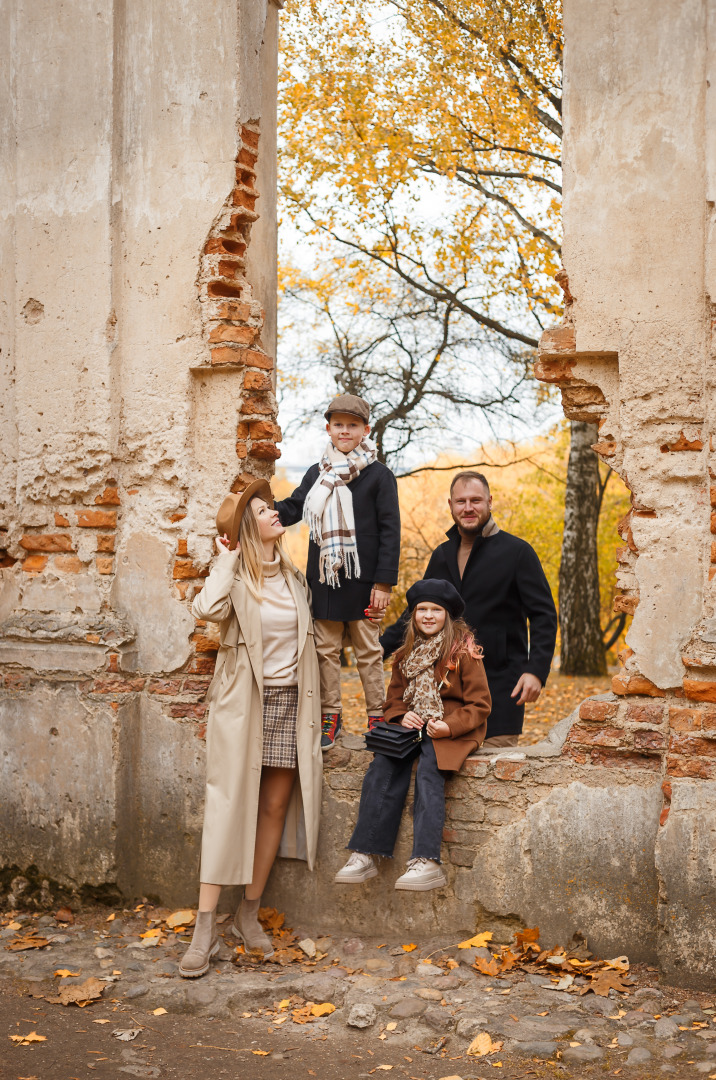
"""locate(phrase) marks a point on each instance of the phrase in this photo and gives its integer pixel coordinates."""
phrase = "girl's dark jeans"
(385, 789)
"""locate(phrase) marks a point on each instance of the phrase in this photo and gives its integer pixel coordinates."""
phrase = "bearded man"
(504, 587)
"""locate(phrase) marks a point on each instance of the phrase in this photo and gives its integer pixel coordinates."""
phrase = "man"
(504, 587)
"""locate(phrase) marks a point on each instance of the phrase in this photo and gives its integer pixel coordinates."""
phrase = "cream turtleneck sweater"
(279, 627)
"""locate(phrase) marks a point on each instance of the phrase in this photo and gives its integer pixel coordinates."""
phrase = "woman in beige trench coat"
(256, 810)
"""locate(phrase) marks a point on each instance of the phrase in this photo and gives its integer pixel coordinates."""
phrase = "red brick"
(243, 197)
(699, 768)
(67, 564)
(250, 137)
(692, 746)
(247, 156)
(713, 523)
(258, 359)
(113, 662)
(165, 686)
(11, 681)
(181, 547)
(713, 550)
(653, 713)
(61, 522)
(235, 310)
(105, 543)
(33, 564)
(682, 443)
(255, 403)
(196, 686)
(474, 767)
(117, 686)
(664, 815)
(241, 335)
(97, 519)
(615, 759)
(509, 770)
(222, 245)
(47, 542)
(204, 644)
(185, 568)
(708, 719)
(627, 604)
(590, 736)
(649, 740)
(635, 684)
(450, 836)
(700, 690)
(185, 709)
(109, 497)
(263, 429)
(176, 517)
(257, 380)
(202, 665)
(222, 289)
(201, 731)
(105, 564)
(227, 355)
(598, 710)
(242, 449)
(685, 719)
(265, 451)
(554, 371)
(579, 757)
(231, 268)
(666, 788)
(605, 448)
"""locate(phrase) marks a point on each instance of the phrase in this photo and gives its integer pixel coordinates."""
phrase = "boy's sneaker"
(373, 720)
(358, 868)
(421, 876)
(331, 723)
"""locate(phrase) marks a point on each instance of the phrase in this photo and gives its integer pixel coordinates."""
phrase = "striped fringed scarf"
(328, 510)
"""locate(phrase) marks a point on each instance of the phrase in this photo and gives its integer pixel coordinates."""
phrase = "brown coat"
(466, 704)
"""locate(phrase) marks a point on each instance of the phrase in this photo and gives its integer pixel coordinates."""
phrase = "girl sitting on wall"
(438, 686)
(264, 729)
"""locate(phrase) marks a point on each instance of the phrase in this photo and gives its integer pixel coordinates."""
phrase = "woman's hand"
(222, 545)
(412, 720)
(438, 729)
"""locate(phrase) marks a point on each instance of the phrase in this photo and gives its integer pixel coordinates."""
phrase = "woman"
(264, 727)
(438, 687)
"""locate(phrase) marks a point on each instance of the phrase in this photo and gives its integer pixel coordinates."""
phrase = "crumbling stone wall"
(137, 344)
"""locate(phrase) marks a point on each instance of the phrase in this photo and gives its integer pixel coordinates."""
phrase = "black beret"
(436, 591)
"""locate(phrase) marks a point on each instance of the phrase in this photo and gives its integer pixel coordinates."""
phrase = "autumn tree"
(421, 141)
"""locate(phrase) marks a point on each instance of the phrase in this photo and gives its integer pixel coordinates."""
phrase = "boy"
(349, 501)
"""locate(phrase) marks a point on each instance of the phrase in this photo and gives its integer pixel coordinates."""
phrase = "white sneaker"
(358, 868)
(421, 876)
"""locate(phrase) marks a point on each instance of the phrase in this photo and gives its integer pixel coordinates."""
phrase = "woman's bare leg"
(274, 797)
(208, 896)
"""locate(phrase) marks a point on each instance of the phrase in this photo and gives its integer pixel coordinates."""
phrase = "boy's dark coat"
(377, 522)
(503, 587)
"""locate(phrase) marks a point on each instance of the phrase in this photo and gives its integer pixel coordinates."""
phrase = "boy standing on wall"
(349, 501)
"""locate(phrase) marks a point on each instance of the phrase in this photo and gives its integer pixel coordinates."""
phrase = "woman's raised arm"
(213, 602)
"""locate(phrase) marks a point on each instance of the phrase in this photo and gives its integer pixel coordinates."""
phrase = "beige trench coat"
(234, 743)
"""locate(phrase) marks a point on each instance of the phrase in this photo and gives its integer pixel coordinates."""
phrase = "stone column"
(137, 336)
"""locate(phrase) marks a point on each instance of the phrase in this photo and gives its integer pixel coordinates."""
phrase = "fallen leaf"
(25, 1040)
(284, 1004)
(452, 964)
(126, 1034)
(77, 993)
(619, 963)
(564, 983)
(180, 919)
(271, 919)
(154, 932)
(14, 926)
(29, 941)
(101, 1021)
(391, 1026)
(261, 1053)
(507, 960)
(487, 967)
(64, 973)
(65, 915)
(526, 938)
(159, 1012)
(482, 1045)
(479, 941)
(409, 948)
(604, 981)
(111, 918)
(382, 1068)
(323, 1010)
(280, 1020)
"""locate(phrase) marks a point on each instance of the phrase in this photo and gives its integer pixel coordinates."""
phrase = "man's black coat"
(503, 587)
(377, 521)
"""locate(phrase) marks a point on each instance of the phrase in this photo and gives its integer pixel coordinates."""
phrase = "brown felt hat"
(349, 403)
(231, 511)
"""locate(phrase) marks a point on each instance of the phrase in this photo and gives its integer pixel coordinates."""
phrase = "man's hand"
(528, 687)
(412, 720)
(438, 729)
(380, 598)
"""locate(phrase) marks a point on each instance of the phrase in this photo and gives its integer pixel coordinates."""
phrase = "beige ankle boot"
(204, 945)
(247, 927)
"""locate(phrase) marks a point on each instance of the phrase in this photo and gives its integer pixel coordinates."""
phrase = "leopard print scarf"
(421, 693)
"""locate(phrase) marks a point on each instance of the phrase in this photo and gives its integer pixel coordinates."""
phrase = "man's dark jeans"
(385, 789)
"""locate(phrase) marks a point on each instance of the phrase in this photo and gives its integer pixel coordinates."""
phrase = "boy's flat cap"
(349, 403)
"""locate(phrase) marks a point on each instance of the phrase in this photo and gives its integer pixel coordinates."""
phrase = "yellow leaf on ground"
(382, 1068)
(482, 1045)
(25, 1040)
(619, 963)
(391, 1026)
(64, 973)
(14, 926)
(261, 1053)
(180, 918)
(323, 1010)
(154, 932)
(284, 1004)
(452, 964)
(409, 948)
(111, 917)
(479, 941)
(101, 1021)
(77, 993)
(159, 1012)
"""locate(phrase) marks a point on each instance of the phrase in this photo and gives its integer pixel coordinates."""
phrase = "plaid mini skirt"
(280, 714)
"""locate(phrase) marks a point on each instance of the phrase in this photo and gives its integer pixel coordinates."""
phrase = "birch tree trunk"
(581, 651)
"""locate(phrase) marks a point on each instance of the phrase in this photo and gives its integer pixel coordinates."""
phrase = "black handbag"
(393, 740)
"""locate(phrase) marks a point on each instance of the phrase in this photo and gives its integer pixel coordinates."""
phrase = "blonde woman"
(263, 752)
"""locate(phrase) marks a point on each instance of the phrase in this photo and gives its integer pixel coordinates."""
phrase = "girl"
(264, 724)
(438, 685)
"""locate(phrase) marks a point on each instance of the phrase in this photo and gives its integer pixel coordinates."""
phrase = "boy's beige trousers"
(363, 636)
